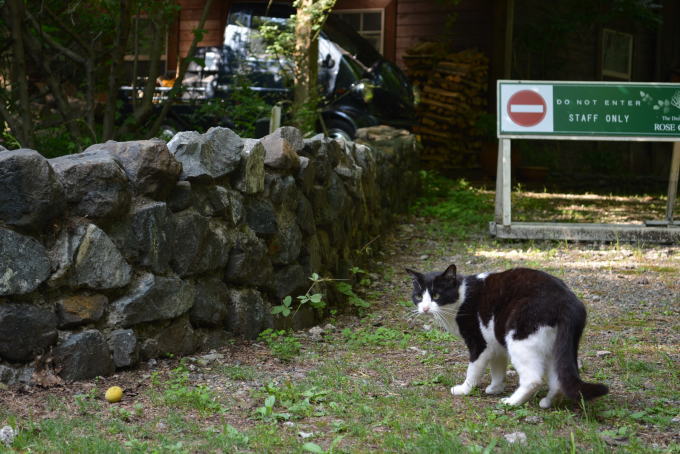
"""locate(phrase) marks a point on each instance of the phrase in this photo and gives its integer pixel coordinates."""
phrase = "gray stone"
(260, 216)
(317, 152)
(207, 339)
(250, 177)
(24, 263)
(95, 185)
(215, 200)
(207, 156)
(7, 374)
(290, 280)
(310, 256)
(306, 174)
(78, 310)
(282, 148)
(169, 338)
(152, 298)
(149, 165)
(181, 197)
(249, 313)
(84, 256)
(16, 375)
(30, 192)
(144, 235)
(284, 246)
(190, 231)
(201, 244)
(25, 330)
(124, 347)
(83, 356)
(248, 263)
(282, 191)
(210, 304)
(216, 247)
(305, 216)
(337, 194)
(324, 212)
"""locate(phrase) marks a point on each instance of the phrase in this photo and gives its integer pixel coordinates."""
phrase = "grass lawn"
(379, 381)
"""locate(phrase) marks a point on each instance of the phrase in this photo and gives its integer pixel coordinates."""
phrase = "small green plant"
(379, 337)
(355, 300)
(180, 393)
(313, 299)
(266, 412)
(281, 343)
(314, 448)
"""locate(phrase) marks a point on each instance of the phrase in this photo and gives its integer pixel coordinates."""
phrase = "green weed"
(281, 343)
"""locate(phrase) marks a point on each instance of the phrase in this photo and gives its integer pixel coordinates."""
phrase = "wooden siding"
(425, 20)
(190, 14)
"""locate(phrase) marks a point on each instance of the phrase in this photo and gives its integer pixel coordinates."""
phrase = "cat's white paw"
(495, 389)
(461, 390)
(509, 401)
(545, 403)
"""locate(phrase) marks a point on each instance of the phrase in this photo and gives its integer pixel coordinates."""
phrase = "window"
(368, 23)
(617, 54)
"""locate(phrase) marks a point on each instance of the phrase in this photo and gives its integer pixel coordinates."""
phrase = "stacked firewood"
(451, 101)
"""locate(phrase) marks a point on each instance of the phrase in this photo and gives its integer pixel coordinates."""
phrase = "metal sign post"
(585, 111)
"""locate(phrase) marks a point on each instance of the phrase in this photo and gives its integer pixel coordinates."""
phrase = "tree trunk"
(15, 15)
(117, 59)
(304, 79)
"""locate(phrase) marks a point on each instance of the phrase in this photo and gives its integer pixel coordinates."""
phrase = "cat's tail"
(566, 352)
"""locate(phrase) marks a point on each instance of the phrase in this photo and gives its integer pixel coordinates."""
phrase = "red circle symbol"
(527, 108)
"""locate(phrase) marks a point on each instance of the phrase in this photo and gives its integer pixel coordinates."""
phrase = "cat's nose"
(426, 308)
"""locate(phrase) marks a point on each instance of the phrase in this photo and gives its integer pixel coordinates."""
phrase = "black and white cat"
(525, 315)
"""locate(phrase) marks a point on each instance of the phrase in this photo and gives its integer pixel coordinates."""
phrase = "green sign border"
(585, 135)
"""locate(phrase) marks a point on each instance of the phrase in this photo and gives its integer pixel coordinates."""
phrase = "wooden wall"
(179, 39)
(425, 20)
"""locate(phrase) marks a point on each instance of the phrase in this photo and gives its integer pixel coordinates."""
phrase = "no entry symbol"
(526, 108)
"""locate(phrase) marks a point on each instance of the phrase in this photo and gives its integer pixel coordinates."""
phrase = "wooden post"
(503, 208)
(673, 182)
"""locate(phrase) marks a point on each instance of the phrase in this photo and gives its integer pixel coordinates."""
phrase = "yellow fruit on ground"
(114, 394)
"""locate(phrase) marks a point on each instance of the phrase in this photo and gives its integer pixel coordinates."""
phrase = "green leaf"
(287, 301)
(316, 298)
(277, 309)
(312, 447)
(286, 312)
(270, 401)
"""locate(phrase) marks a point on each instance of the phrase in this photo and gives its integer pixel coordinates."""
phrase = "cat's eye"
(436, 296)
(418, 298)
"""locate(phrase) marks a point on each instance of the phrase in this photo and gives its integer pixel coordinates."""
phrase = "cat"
(527, 316)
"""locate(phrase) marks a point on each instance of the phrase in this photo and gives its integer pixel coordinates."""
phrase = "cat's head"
(434, 290)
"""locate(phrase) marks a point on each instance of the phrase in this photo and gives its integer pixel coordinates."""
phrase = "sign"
(588, 110)
(526, 108)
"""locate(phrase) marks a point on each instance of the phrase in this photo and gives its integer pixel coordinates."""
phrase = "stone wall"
(133, 250)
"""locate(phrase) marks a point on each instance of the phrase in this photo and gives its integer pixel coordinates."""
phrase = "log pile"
(452, 92)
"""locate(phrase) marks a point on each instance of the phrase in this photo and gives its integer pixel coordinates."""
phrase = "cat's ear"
(415, 274)
(417, 277)
(450, 273)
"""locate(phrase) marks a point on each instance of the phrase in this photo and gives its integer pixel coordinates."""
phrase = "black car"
(359, 86)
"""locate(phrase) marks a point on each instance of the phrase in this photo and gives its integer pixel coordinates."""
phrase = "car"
(359, 87)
